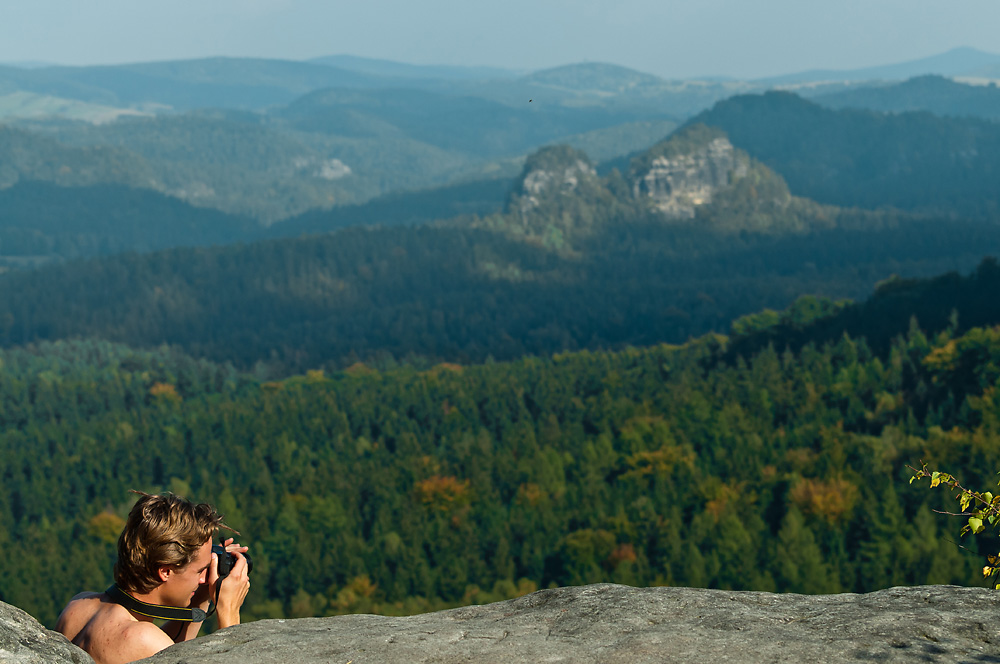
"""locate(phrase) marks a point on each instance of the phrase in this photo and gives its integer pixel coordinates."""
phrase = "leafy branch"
(984, 507)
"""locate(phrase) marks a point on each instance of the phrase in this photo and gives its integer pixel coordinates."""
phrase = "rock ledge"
(609, 623)
(601, 623)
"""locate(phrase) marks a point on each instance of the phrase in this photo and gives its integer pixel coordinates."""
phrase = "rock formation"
(604, 623)
(24, 641)
(684, 172)
(550, 172)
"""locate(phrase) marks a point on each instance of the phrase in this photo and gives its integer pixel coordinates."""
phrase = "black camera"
(228, 560)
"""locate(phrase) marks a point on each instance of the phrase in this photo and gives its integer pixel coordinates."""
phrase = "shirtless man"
(165, 565)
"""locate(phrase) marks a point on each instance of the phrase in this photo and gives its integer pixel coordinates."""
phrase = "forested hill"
(42, 221)
(695, 235)
(406, 490)
(935, 94)
(911, 161)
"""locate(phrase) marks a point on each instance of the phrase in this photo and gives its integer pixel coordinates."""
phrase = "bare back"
(108, 631)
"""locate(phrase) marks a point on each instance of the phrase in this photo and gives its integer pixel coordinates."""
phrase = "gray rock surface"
(25, 641)
(610, 623)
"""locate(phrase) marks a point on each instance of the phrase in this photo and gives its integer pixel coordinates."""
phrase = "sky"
(670, 38)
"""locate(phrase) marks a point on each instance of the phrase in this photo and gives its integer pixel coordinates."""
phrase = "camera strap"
(185, 614)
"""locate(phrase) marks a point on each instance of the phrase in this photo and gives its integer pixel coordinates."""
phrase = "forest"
(780, 467)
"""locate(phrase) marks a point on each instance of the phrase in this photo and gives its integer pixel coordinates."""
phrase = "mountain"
(956, 62)
(912, 161)
(935, 94)
(401, 70)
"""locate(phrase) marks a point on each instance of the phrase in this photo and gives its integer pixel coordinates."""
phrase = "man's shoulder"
(108, 632)
(147, 635)
(78, 612)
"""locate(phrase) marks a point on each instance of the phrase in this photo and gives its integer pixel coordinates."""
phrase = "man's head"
(161, 531)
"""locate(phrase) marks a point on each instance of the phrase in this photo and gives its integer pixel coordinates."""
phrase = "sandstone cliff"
(683, 172)
(552, 172)
(603, 623)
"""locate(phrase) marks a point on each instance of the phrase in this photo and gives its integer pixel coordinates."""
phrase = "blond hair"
(161, 531)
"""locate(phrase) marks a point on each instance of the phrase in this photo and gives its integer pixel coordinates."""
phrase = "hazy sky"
(673, 38)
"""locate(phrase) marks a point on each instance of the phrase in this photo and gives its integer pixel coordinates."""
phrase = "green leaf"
(976, 525)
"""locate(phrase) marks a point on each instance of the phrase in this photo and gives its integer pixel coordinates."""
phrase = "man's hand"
(234, 587)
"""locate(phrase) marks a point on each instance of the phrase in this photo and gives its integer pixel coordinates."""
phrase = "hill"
(467, 124)
(934, 94)
(956, 62)
(247, 83)
(911, 161)
(401, 70)
(576, 261)
(479, 197)
(248, 166)
(329, 148)
(43, 222)
(28, 156)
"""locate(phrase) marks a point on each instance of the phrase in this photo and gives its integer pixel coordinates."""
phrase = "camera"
(228, 560)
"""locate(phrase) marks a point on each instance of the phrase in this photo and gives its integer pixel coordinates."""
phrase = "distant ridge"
(962, 61)
(185, 84)
(391, 68)
(932, 93)
(601, 76)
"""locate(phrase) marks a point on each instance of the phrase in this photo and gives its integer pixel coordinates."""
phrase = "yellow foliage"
(441, 492)
(105, 527)
(531, 494)
(359, 369)
(658, 463)
(723, 496)
(829, 500)
(165, 390)
(623, 553)
(943, 358)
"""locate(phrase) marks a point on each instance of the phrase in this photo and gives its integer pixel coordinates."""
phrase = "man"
(165, 569)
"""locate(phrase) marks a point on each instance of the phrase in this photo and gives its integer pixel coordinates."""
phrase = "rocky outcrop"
(609, 623)
(600, 623)
(683, 173)
(551, 172)
(24, 641)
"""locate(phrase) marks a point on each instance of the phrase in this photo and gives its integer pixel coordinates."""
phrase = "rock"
(683, 172)
(553, 171)
(25, 641)
(610, 623)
